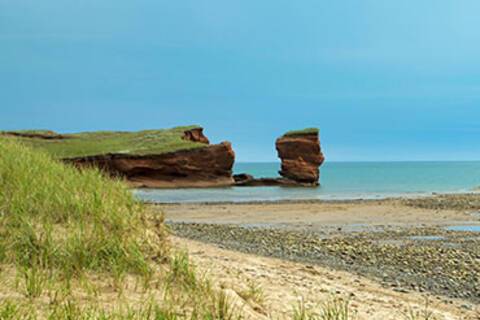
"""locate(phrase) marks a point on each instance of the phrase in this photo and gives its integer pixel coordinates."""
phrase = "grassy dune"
(76, 245)
(105, 142)
(57, 217)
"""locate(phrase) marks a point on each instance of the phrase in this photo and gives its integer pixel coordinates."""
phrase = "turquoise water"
(341, 180)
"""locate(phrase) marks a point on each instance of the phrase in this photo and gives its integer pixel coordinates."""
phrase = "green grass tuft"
(181, 271)
(302, 132)
(333, 309)
(424, 314)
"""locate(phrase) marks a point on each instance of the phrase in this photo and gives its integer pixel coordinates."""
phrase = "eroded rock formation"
(209, 166)
(301, 156)
(171, 162)
(196, 135)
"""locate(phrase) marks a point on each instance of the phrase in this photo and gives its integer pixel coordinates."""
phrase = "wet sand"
(321, 215)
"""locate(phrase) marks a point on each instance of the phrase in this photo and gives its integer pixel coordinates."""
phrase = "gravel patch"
(405, 259)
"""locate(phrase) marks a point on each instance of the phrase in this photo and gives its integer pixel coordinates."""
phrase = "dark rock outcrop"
(246, 180)
(46, 135)
(301, 157)
(243, 179)
(195, 135)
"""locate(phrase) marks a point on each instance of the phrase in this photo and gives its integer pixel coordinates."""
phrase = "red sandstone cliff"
(209, 166)
(301, 157)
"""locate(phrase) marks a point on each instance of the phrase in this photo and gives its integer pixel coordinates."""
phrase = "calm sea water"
(340, 180)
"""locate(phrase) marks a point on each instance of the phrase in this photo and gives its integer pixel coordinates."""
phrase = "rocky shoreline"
(428, 259)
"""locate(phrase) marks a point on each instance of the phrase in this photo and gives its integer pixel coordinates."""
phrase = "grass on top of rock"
(301, 132)
(110, 142)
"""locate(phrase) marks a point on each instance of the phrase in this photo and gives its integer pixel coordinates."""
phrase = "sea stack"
(301, 156)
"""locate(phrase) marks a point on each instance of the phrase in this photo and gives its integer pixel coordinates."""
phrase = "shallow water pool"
(427, 238)
(466, 228)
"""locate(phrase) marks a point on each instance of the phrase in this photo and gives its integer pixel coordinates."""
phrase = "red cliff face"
(301, 157)
(209, 166)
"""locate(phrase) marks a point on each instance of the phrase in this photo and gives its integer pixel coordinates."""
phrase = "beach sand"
(386, 256)
(284, 284)
(318, 214)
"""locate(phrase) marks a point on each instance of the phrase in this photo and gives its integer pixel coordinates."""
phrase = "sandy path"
(284, 282)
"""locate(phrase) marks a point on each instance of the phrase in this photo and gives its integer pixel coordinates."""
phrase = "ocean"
(339, 180)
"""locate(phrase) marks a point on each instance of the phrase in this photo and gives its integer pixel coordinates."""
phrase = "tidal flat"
(408, 245)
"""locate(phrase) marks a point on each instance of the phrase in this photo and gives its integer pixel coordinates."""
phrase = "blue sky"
(383, 80)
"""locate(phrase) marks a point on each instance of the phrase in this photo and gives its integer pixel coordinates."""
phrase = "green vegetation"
(301, 132)
(253, 293)
(110, 142)
(423, 314)
(57, 217)
(76, 245)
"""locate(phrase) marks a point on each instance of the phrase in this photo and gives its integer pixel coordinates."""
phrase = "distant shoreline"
(316, 201)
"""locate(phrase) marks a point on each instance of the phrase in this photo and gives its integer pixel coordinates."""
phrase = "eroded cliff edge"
(207, 166)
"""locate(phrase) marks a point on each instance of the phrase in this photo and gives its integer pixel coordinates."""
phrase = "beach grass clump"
(56, 217)
(253, 293)
(305, 131)
(423, 314)
(335, 308)
(181, 271)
